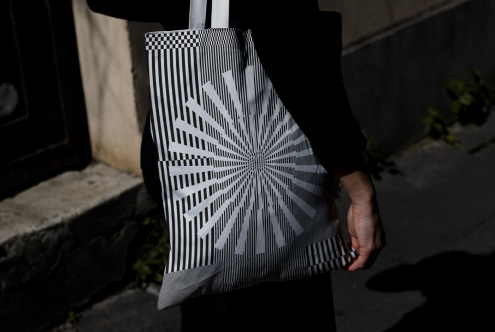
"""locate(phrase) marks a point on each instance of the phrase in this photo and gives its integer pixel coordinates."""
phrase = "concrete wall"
(363, 18)
(394, 77)
(108, 82)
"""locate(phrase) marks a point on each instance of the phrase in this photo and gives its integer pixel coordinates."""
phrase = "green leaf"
(436, 128)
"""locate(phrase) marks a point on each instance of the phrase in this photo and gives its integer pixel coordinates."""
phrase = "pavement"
(132, 310)
(435, 272)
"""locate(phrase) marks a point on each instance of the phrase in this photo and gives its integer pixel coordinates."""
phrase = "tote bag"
(245, 199)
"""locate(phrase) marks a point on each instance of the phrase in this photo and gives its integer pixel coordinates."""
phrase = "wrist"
(364, 195)
(359, 186)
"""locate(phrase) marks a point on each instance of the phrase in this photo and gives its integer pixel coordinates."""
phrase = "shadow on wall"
(458, 287)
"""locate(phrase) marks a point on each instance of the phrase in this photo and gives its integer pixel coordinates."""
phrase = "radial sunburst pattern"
(245, 156)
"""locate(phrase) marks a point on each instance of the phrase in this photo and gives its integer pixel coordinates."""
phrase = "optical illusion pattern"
(240, 181)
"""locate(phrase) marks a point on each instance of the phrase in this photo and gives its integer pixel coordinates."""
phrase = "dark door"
(43, 125)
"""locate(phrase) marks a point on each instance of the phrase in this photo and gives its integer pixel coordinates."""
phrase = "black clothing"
(300, 54)
(298, 305)
(149, 165)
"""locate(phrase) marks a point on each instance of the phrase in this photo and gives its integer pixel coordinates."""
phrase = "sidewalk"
(132, 310)
(434, 274)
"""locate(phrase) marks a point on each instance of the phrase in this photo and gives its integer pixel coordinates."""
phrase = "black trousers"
(298, 305)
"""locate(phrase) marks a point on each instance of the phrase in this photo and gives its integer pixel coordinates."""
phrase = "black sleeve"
(173, 15)
(149, 166)
(300, 49)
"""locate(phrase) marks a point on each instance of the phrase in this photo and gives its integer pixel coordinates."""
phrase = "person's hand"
(366, 229)
(364, 221)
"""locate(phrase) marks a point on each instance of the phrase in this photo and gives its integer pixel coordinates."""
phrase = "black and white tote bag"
(245, 198)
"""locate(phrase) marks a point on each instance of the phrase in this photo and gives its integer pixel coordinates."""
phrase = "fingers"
(365, 260)
(367, 234)
(361, 260)
(357, 264)
(368, 252)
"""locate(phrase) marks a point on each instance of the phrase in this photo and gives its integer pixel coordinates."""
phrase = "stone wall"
(65, 240)
(362, 19)
(393, 78)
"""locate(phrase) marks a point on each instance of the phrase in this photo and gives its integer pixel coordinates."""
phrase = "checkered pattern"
(229, 38)
(221, 37)
(169, 40)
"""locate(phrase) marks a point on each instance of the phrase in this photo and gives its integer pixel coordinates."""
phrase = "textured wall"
(362, 18)
(106, 70)
(392, 80)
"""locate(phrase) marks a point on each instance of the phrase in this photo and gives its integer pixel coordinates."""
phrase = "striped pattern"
(331, 254)
(289, 265)
(241, 185)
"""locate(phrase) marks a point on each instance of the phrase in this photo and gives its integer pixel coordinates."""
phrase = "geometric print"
(329, 254)
(156, 41)
(182, 39)
(241, 186)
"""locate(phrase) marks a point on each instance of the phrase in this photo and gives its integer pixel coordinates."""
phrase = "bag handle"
(219, 14)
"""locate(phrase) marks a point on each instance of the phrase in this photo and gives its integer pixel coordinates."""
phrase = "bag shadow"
(459, 287)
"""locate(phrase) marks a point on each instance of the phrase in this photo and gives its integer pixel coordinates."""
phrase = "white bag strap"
(197, 14)
(219, 14)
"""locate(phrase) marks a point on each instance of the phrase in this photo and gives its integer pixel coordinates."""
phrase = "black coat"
(300, 50)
